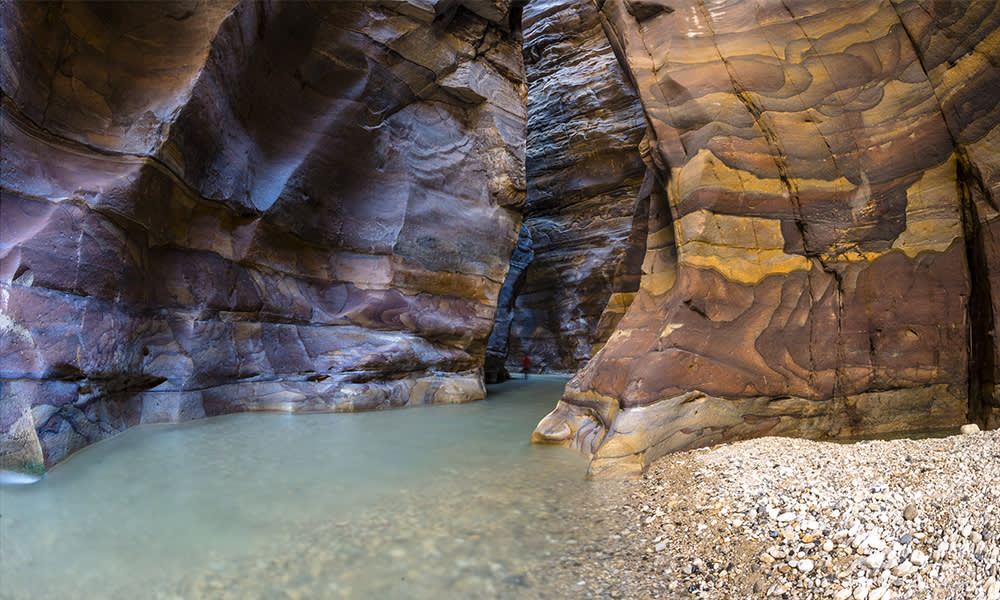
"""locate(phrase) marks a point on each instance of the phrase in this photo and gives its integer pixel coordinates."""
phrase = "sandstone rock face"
(226, 206)
(584, 173)
(825, 253)
(494, 367)
(958, 44)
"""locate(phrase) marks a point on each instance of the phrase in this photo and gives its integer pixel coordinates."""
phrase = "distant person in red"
(525, 365)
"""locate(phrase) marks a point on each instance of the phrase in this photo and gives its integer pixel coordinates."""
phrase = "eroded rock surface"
(825, 252)
(584, 173)
(498, 344)
(225, 206)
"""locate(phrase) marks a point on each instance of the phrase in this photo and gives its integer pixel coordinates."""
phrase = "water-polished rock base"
(72, 418)
(622, 443)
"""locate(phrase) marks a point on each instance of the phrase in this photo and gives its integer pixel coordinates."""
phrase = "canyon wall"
(765, 216)
(821, 251)
(583, 173)
(235, 205)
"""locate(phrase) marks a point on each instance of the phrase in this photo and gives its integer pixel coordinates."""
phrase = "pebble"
(875, 520)
(992, 589)
(875, 560)
(861, 592)
(903, 569)
(879, 593)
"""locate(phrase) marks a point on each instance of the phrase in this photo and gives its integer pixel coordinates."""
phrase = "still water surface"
(430, 502)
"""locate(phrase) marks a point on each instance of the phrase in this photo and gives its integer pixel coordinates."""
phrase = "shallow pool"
(431, 502)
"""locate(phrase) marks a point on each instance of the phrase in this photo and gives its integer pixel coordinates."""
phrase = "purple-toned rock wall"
(228, 206)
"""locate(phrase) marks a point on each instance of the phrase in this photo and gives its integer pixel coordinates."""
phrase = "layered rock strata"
(227, 206)
(498, 344)
(584, 173)
(826, 255)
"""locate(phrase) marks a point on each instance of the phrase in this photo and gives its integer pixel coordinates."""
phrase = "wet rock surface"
(822, 260)
(235, 206)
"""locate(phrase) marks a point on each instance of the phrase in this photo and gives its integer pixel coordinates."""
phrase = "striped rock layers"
(225, 206)
(822, 246)
(583, 174)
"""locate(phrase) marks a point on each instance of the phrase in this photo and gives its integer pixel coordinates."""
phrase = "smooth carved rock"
(584, 173)
(497, 347)
(235, 206)
(831, 181)
(647, 9)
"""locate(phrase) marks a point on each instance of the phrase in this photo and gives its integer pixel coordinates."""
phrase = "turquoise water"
(431, 502)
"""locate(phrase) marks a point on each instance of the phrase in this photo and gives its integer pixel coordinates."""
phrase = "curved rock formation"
(583, 172)
(223, 206)
(825, 253)
(497, 346)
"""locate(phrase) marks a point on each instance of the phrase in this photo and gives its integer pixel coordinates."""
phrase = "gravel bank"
(787, 518)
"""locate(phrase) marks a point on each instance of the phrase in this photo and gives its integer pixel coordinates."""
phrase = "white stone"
(875, 560)
(992, 589)
(918, 558)
(970, 428)
(878, 593)
(828, 546)
(861, 592)
(903, 569)
(843, 594)
(805, 565)
(874, 541)
(868, 540)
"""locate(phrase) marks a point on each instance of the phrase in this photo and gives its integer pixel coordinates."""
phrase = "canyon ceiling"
(728, 218)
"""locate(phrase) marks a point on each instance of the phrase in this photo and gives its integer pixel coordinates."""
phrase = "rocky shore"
(796, 519)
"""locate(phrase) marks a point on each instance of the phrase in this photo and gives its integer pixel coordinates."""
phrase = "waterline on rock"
(17, 478)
